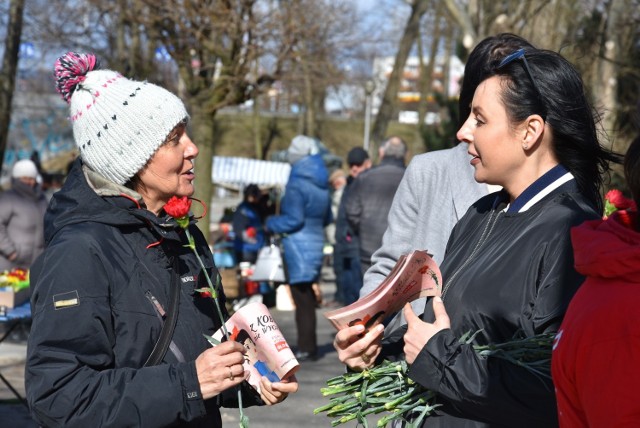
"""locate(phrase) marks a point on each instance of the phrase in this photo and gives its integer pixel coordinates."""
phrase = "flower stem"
(244, 420)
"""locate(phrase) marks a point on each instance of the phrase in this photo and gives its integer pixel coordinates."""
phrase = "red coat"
(596, 355)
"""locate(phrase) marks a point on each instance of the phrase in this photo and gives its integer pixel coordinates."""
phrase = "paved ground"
(296, 411)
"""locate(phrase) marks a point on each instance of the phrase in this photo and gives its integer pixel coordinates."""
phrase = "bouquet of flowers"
(387, 388)
(16, 278)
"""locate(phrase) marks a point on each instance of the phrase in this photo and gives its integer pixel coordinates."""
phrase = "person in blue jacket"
(305, 211)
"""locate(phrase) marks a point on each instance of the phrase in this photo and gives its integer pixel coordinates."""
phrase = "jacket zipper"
(158, 307)
(483, 238)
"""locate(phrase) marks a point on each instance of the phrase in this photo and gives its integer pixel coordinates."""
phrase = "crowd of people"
(512, 213)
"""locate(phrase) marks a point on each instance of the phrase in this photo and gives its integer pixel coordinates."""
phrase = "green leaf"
(211, 340)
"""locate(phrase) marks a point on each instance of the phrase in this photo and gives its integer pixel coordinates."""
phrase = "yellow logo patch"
(66, 300)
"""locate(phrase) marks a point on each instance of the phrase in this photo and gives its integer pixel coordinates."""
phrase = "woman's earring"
(524, 146)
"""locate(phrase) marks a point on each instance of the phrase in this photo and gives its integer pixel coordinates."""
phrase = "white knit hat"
(118, 124)
(24, 168)
(301, 146)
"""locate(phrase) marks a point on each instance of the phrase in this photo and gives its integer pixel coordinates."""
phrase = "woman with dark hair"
(446, 176)
(596, 351)
(508, 268)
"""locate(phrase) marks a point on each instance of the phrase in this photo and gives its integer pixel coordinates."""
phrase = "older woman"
(102, 290)
(508, 266)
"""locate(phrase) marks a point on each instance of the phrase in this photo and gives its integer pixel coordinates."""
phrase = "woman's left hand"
(274, 393)
(419, 332)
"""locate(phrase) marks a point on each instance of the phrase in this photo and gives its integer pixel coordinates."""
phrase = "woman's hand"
(356, 351)
(220, 368)
(419, 332)
(274, 393)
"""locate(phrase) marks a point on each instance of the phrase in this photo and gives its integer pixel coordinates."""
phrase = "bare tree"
(322, 36)
(387, 108)
(9, 69)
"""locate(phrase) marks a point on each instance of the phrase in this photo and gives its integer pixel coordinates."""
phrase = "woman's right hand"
(358, 351)
(220, 368)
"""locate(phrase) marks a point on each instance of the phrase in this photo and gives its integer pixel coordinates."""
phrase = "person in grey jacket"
(22, 211)
(371, 195)
(438, 187)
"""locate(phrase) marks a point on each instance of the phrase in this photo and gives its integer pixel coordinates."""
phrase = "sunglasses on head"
(520, 54)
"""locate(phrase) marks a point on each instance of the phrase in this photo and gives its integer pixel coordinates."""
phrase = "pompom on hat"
(118, 124)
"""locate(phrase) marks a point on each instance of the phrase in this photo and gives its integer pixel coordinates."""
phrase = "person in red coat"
(596, 351)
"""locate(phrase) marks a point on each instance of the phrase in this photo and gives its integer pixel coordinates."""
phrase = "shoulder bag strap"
(160, 348)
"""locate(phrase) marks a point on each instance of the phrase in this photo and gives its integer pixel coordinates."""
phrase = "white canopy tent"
(237, 173)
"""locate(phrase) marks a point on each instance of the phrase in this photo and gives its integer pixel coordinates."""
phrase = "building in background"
(447, 84)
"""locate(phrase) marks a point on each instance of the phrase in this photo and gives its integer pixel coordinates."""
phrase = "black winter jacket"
(95, 320)
(346, 241)
(503, 273)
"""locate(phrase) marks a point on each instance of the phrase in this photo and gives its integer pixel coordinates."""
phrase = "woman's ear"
(533, 131)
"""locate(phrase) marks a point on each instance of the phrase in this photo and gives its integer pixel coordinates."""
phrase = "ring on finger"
(231, 377)
(365, 358)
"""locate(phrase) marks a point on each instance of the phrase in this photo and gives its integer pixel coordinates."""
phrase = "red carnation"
(178, 207)
(614, 200)
(618, 200)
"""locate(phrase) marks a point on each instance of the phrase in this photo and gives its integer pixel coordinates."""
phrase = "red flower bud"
(618, 200)
(178, 207)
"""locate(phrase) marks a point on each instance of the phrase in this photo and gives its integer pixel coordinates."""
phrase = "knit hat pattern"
(118, 124)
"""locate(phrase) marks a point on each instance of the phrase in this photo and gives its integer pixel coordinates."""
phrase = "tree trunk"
(464, 20)
(426, 74)
(9, 69)
(387, 108)
(121, 44)
(608, 83)
(448, 54)
(309, 105)
(203, 122)
(257, 138)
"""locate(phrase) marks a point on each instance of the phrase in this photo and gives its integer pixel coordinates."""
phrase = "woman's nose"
(191, 150)
(465, 133)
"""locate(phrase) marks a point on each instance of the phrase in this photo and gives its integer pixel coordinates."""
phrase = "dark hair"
(134, 183)
(252, 190)
(632, 170)
(563, 104)
(242, 336)
(480, 66)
